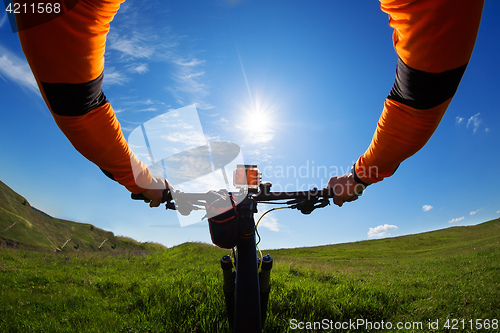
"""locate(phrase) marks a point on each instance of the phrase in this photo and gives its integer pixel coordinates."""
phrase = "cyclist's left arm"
(66, 56)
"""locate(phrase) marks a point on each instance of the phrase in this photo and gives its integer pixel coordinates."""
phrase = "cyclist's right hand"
(345, 188)
(154, 193)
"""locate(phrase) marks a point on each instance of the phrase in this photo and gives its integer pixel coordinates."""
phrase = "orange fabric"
(432, 36)
(401, 132)
(98, 136)
(70, 49)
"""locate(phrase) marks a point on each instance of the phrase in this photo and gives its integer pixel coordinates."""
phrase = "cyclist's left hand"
(345, 188)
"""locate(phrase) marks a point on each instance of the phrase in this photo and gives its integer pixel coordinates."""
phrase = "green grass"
(451, 274)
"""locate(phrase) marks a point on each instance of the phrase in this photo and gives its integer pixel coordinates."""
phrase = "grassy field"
(444, 277)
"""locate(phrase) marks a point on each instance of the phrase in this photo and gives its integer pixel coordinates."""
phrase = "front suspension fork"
(229, 284)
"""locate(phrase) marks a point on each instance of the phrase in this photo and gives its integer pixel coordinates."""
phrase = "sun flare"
(258, 123)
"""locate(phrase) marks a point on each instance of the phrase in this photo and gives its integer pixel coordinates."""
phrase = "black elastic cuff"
(423, 90)
(70, 99)
(356, 178)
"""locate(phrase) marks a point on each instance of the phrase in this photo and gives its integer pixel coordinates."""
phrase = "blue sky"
(312, 75)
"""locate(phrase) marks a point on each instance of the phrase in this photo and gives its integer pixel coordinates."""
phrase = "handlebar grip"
(138, 196)
(167, 196)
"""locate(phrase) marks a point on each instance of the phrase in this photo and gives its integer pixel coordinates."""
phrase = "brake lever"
(308, 206)
(170, 205)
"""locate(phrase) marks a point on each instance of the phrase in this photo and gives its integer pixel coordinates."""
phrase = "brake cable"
(257, 232)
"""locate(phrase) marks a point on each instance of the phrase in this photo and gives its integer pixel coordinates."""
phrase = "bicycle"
(246, 275)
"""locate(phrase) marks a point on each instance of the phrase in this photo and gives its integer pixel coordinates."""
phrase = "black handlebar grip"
(167, 196)
(138, 196)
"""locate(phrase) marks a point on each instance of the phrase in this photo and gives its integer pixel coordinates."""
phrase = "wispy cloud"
(426, 208)
(140, 68)
(3, 19)
(150, 109)
(114, 77)
(17, 70)
(131, 46)
(474, 122)
(381, 231)
(188, 75)
(140, 45)
(457, 219)
(474, 212)
(270, 222)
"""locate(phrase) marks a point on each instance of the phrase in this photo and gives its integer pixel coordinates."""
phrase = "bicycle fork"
(265, 287)
(245, 306)
(229, 285)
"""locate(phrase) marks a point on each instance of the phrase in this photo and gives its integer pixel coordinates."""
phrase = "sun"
(258, 121)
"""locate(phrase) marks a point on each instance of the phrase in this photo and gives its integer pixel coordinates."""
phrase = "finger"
(338, 201)
(154, 204)
(353, 198)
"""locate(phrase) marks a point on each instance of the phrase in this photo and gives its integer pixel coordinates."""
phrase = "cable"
(270, 210)
(257, 232)
(233, 256)
(260, 257)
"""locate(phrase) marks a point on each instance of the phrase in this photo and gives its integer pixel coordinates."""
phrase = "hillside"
(24, 226)
(432, 244)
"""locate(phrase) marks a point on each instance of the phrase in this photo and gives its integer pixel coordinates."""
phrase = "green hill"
(24, 226)
(433, 244)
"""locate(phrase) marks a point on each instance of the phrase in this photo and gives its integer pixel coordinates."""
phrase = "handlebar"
(304, 201)
(266, 195)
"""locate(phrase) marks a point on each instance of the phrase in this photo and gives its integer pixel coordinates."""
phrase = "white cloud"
(112, 77)
(3, 18)
(188, 63)
(270, 222)
(381, 231)
(17, 70)
(141, 68)
(144, 44)
(188, 75)
(426, 208)
(474, 212)
(134, 46)
(474, 122)
(150, 109)
(457, 219)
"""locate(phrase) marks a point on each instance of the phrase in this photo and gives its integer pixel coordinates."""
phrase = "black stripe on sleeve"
(108, 174)
(67, 99)
(423, 90)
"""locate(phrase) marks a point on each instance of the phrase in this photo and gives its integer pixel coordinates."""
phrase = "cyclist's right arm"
(434, 40)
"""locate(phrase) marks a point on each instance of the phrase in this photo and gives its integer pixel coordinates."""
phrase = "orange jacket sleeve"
(66, 54)
(434, 40)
